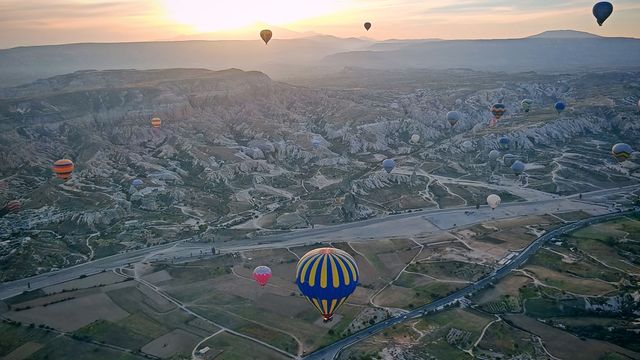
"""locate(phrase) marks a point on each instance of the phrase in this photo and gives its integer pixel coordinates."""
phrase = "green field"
(108, 332)
(55, 347)
(506, 340)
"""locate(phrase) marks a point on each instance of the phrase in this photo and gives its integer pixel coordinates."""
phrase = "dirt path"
(92, 251)
(372, 298)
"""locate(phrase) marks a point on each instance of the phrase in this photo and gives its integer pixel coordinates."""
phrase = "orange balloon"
(63, 169)
(266, 35)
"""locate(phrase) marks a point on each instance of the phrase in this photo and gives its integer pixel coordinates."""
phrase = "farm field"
(143, 316)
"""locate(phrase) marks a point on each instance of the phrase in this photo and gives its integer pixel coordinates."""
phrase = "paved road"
(331, 351)
(294, 238)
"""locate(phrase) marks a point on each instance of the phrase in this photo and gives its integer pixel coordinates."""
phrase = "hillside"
(318, 55)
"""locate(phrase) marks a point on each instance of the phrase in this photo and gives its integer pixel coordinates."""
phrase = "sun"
(219, 15)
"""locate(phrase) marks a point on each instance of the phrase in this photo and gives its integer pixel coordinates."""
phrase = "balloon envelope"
(504, 142)
(262, 274)
(518, 167)
(509, 159)
(326, 277)
(621, 151)
(156, 122)
(493, 201)
(63, 169)
(415, 138)
(526, 105)
(453, 117)
(11, 207)
(367, 25)
(315, 142)
(498, 110)
(266, 35)
(602, 11)
(559, 106)
(388, 165)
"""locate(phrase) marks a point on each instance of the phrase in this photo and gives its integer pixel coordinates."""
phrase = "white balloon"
(493, 200)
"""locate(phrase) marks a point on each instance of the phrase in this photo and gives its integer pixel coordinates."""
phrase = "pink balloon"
(261, 275)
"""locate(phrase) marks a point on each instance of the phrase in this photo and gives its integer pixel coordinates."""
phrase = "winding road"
(333, 350)
(404, 224)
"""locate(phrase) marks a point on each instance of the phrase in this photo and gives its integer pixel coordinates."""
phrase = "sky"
(39, 22)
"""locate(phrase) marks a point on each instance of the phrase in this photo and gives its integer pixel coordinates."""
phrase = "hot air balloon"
(466, 146)
(526, 105)
(503, 142)
(266, 35)
(137, 183)
(559, 106)
(261, 275)
(326, 277)
(388, 165)
(63, 169)
(415, 138)
(11, 207)
(316, 142)
(453, 117)
(494, 154)
(602, 11)
(621, 151)
(367, 25)
(518, 167)
(156, 122)
(498, 110)
(509, 159)
(493, 200)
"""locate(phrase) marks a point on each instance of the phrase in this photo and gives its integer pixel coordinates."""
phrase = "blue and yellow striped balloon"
(327, 276)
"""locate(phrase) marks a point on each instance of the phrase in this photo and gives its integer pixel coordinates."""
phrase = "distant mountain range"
(563, 50)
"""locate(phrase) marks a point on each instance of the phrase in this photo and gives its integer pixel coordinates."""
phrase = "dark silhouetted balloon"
(602, 11)
(266, 35)
(559, 106)
(367, 25)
